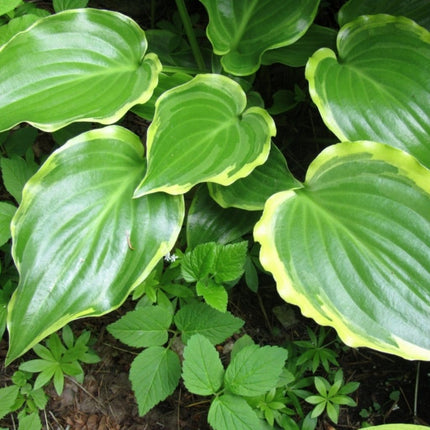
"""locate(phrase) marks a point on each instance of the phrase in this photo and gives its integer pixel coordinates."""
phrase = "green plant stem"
(186, 21)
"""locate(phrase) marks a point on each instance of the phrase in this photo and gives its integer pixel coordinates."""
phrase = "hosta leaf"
(154, 375)
(78, 65)
(81, 243)
(351, 248)
(209, 222)
(16, 25)
(202, 132)
(378, 87)
(251, 193)
(297, 54)
(8, 5)
(242, 31)
(418, 10)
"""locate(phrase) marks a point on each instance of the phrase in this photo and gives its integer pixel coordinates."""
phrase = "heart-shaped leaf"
(80, 242)
(379, 87)
(78, 65)
(202, 132)
(241, 31)
(251, 193)
(352, 247)
(418, 10)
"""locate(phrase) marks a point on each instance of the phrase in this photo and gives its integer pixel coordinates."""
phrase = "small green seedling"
(331, 397)
(57, 359)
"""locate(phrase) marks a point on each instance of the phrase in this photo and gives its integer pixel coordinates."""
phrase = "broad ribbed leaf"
(202, 132)
(418, 10)
(297, 54)
(209, 222)
(241, 31)
(78, 65)
(352, 247)
(251, 193)
(379, 87)
(81, 243)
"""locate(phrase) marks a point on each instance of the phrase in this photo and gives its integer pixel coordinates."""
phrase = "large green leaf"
(400, 426)
(379, 88)
(78, 65)
(418, 10)
(80, 242)
(201, 132)
(241, 31)
(297, 54)
(352, 247)
(251, 193)
(209, 222)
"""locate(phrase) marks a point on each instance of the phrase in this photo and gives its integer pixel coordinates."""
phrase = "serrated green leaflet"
(81, 243)
(230, 261)
(8, 5)
(418, 10)
(8, 397)
(341, 250)
(7, 211)
(202, 132)
(209, 222)
(154, 374)
(378, 87)
(253, 370)
(143, 327)
(232, 412)
(202, 370)
(78, 65)
(215, 295)
(242, 31)
(251, 193)
(199, 318)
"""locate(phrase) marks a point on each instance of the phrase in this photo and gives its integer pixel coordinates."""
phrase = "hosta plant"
(349, 244)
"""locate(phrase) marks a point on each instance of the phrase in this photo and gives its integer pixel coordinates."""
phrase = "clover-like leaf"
(81, 243)
(352, 247)
(77, 65)
(378, 88)
(202, 132)
(241, 31)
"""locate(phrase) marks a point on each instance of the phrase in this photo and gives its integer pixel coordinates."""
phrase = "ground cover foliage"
(185, 167)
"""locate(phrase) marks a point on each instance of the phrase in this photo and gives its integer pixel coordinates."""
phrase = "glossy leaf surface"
(209, 222)
(378, 88)
(81, 243)
(78, 65)
(202, 132)
(417, 10)
(352, 247)
(251, 193)
(7, 211)
(297, 54)
(241, 31)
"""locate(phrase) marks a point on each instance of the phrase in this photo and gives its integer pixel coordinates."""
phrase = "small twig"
(178, 420)
(100, 404)
(56, 421)
(202, 402)
(417, 384)
(263, 310)
(119, 349)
